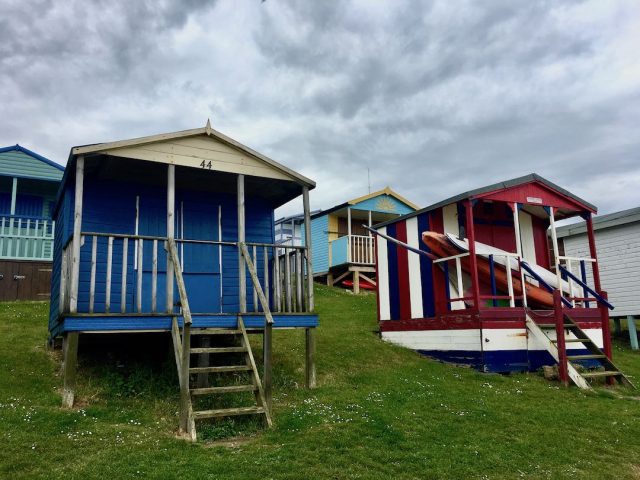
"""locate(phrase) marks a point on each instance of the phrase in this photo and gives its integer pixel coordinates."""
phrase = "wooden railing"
(26, 238)
(357, 249)
(121, 274)
(361, 250)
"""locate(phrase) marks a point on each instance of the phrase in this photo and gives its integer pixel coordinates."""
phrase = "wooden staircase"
(227, 343)
(568, 332)
(218, 375)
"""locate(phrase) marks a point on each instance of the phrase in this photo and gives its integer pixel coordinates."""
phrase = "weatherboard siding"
(618, 250)
(15, 163)
(107, 213)
(320, 242)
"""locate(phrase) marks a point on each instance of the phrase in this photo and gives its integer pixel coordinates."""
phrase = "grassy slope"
(379, 411)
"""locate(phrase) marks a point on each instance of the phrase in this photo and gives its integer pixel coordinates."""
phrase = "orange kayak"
(441, 247)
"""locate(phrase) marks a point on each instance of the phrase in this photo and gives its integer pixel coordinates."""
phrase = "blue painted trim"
(583, 274)
(504, 361)
(163, 322)
(492, 273)
(426, 269)
(394, 287)
(598, 297)
(19, 148)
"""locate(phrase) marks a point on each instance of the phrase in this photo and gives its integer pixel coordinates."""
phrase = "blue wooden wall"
(320, 243)
(110, 207)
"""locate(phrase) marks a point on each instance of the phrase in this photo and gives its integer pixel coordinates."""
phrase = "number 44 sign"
(206, 164)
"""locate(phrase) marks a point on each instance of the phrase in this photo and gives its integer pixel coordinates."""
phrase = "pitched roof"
(622, 217)
(21, 162)
(514, 182)
(112, 147)
(385, 191)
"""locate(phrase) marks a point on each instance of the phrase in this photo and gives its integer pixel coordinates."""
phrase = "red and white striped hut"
(460, 297)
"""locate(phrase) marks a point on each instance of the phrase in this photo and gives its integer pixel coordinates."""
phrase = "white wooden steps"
(579, 378)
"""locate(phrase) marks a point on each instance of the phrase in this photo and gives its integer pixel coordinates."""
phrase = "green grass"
(379, 412)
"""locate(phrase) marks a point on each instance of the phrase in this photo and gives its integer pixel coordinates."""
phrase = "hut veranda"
(175, 233)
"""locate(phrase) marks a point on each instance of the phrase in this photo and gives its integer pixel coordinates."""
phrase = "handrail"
(549, 288)
(452, 257)
(402, 244)
(187, 240)
(182, 291)
(596, 296)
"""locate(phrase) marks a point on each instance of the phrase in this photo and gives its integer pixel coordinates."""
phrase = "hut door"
(199, 220)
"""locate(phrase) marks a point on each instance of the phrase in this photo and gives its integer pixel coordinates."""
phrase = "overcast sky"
(434, 97)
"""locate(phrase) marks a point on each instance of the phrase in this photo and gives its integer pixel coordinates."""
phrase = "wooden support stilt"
(69, 368)
(267, 341)
(633, 333)
(330, 279)
(310, 357)
(356, 282)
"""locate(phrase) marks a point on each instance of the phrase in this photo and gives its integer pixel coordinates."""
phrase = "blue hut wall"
(110, 207)
(320, 243)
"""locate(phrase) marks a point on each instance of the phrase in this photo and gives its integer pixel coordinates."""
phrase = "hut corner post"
(604, 311)
(310, 334)
(473, 262)
(171, 200)
(70, 346)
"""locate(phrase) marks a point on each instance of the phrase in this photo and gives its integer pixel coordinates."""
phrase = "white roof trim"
(207, 130)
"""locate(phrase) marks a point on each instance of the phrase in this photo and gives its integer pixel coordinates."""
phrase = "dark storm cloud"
(434, 97)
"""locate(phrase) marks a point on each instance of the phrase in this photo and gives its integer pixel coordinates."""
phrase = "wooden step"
(602, 374)
(215, 331)
(230, 368)
(575, 340)
(553, 325)
(229, 389)
(227, 412)
(585, 357)
(218, 349)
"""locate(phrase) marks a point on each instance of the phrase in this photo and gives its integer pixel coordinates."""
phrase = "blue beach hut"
(175, 232)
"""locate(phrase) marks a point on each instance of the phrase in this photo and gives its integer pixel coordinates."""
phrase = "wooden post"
(473, 261)
(171, 205)
(154, 277)
(356, 282)
(516, 227)
(123, 283)
(348, 235)
(604, 311)
(310, 333)
(267, 341)
(606, 329)
(633, 333)
(593, 253)
(107, 296)
(242, 274)
(92, 281)
(14, 195)
(77, 229)
(140, 275)
(69, 367)
(310, 357)
(563, 372)
(556, 249)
